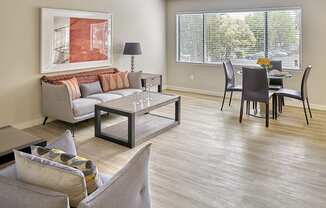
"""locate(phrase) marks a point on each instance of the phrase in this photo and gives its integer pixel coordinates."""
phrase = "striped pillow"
(73, 88)
(88, 167)
(114, 81)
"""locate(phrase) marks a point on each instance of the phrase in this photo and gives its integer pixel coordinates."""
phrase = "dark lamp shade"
(132, 49)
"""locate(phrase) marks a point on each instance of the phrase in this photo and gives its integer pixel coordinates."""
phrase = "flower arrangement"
(265, 63)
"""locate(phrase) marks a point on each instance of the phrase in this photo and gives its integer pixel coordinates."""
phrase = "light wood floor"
(211, 160)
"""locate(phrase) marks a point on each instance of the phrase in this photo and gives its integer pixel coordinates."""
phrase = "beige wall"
(210, 79)
(141, 20)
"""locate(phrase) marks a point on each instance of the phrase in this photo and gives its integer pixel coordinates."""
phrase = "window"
(241, 37)
(190, 30)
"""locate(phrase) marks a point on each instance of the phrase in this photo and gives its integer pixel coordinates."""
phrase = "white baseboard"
(289, 102)
(293, 103)
(31, 123)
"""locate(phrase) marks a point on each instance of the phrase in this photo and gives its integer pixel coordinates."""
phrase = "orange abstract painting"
(88, 40)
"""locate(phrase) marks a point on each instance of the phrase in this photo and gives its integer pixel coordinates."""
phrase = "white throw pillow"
(65, 142)
(52, 175)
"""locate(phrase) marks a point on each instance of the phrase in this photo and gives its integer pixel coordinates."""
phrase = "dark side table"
(151, 80)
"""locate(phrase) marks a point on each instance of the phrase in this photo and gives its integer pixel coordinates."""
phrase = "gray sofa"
(128, 188)
(57, 104)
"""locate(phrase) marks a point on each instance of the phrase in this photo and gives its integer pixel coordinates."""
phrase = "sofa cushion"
(124, 92)
(65, 142)
(114, 81)
(88, 167)
(52, 175)
(84, 106)
(73, 88)
(135, 79)
(90, 89)
(104, 97)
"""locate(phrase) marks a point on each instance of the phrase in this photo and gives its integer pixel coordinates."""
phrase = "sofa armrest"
(14, 193)
(56, 102)
(129, 188)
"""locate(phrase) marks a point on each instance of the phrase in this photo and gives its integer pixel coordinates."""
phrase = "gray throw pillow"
(90, 89)
(135, 79)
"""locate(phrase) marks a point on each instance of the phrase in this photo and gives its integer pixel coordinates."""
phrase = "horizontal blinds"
(234, 36)
(284, 37)
(241, 37)
(190, 38)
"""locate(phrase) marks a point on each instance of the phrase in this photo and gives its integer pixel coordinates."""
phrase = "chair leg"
(241, 110)
(273, 106)
(280, 104)
(267, 115)
(276, 107)
(223, 100)
(45, 119)
(231, 98)
(248, 107)
(309, 107)
(305, 111)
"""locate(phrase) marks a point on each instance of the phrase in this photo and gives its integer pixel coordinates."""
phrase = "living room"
(187, 126)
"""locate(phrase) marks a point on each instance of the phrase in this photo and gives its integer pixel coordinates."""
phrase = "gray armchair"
(128, 188)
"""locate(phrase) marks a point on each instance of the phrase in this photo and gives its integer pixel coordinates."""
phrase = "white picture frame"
(50, 17)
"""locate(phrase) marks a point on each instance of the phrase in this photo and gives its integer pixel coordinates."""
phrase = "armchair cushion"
(55, 176)
(17, 194)
(84, 106)
(9, 172)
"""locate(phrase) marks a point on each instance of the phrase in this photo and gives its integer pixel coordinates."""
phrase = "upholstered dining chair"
(277, 84)
(256, 89)
(301, 95)
(230, 85)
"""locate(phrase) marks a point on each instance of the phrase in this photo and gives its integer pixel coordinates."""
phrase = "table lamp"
(132, 49)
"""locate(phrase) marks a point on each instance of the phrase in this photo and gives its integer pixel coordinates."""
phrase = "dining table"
(273, 73)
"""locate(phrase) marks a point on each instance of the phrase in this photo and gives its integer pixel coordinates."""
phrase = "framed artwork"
(72, 40)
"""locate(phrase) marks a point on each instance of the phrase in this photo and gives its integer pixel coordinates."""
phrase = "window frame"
(203, 62)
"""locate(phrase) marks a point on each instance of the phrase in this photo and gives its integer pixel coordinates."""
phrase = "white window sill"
(236, 66)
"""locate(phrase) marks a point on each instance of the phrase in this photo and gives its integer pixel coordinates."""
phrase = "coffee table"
(140, 124)
(12, 138)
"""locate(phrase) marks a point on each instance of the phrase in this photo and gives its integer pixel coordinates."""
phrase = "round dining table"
(274, 74)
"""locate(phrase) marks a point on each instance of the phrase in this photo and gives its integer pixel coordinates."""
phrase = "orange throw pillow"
(114, 81)
(73, 87)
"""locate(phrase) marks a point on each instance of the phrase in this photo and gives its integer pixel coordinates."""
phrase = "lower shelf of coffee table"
(146, 126)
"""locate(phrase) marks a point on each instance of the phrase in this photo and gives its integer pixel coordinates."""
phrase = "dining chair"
(277, 84)
(301, 95)
(256, 89)
(230, 85)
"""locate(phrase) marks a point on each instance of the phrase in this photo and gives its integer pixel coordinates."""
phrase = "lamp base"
(132, 63)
